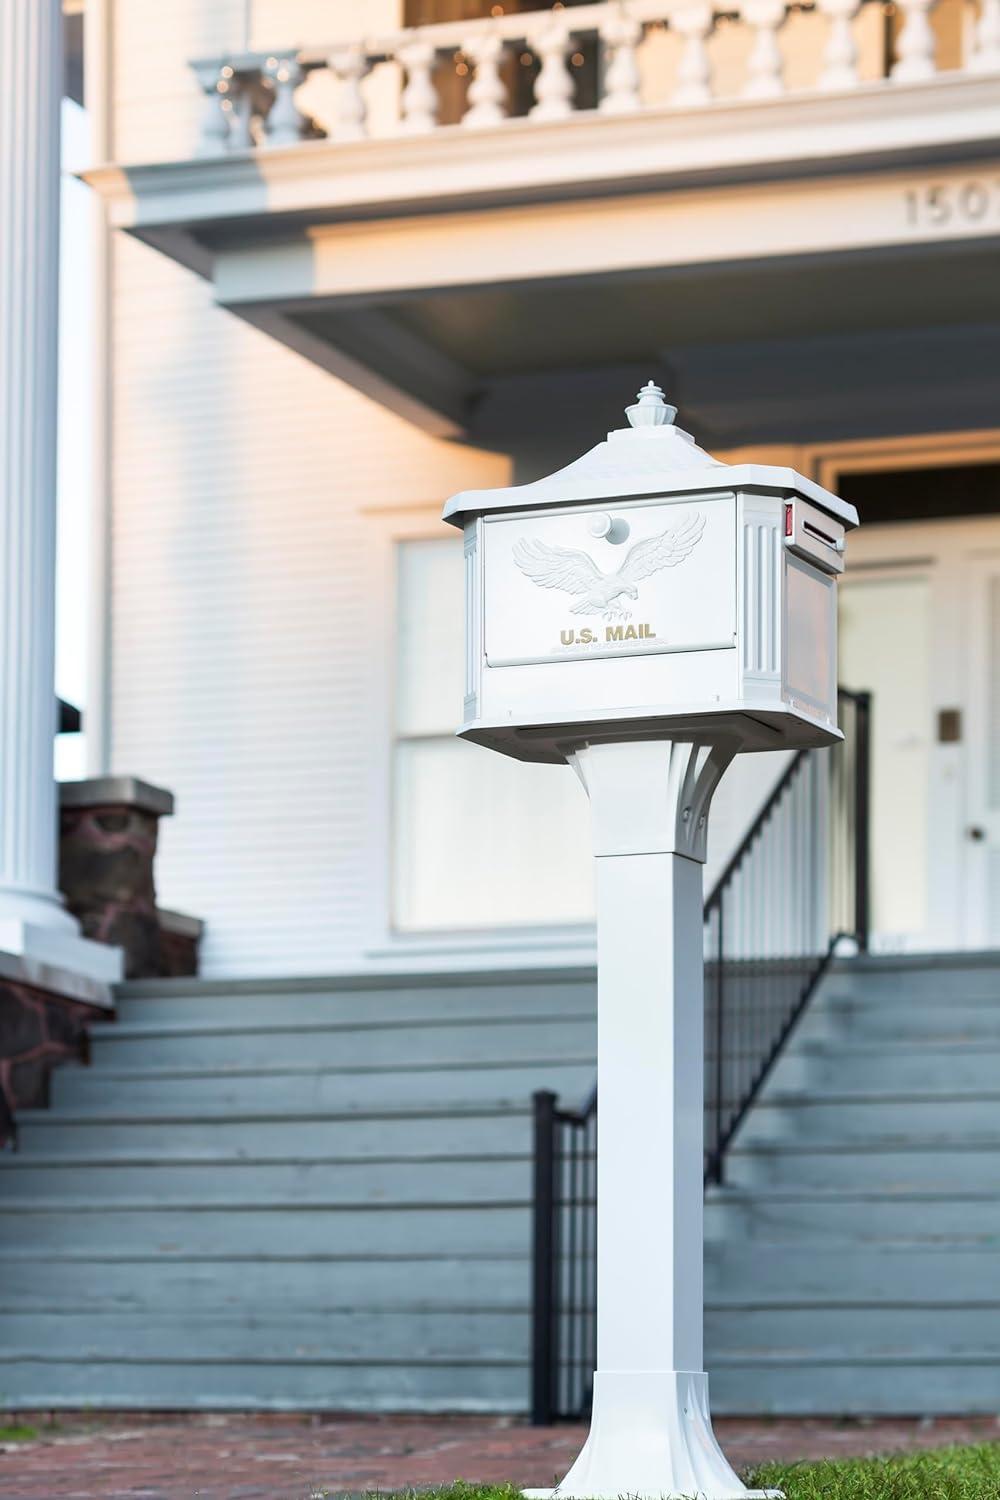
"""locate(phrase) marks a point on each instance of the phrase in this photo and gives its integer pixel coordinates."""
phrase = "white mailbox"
(648, 582)
(645, 614)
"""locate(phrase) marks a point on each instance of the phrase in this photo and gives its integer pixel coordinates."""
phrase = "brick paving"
(296, 1457)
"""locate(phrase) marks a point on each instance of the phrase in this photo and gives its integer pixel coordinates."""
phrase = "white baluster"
(554, 84)
(419, 101)
(214, 125)
(487, 94)
(915, 51)
(284, 125)
(764, 66)
(694, 72)
(349, 66)
(240, 110)
(621, 34)
(840, 56)
(986, 47)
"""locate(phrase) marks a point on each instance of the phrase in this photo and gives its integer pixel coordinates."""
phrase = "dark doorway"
(923, 494)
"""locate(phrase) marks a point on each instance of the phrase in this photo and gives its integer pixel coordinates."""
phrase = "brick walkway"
(142, 1457)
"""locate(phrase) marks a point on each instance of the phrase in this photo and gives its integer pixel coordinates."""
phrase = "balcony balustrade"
(681, 54)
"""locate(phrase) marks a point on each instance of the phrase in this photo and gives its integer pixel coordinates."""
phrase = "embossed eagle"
(603, 593)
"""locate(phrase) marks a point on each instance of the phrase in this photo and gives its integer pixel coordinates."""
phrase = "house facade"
(351, 259)
(361, 257)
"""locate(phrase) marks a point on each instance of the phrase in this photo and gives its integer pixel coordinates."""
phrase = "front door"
(920, 628)
(982, 828)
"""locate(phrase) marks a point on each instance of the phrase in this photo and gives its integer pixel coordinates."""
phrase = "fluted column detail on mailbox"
(30, 89)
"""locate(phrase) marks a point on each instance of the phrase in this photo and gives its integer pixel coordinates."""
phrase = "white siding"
(241, 669)
(243, 627)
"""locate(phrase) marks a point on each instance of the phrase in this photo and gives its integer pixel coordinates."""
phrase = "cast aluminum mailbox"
(647, 582)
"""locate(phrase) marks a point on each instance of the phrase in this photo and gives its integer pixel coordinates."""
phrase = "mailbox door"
(635, 579)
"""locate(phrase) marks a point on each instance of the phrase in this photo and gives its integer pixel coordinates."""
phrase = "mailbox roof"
(645, 461)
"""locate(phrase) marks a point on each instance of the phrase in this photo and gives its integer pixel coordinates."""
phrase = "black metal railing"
(796, 887)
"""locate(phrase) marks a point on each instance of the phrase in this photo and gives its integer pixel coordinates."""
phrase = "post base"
(47, 956)
(651, 1436)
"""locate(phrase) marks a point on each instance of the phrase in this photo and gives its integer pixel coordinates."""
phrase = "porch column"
(33, 920)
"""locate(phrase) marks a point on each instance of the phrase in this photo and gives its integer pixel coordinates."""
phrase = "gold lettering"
(586, 636)
(567, 637)
(614, 633)
(630, 633)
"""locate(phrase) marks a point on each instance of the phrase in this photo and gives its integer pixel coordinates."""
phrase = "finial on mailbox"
(650, 410)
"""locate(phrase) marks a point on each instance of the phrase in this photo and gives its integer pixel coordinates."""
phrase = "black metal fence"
(797, 885)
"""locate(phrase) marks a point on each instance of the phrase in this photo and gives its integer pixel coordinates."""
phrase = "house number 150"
(940, 204)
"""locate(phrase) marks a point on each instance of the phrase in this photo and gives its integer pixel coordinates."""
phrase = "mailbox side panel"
(810, 630)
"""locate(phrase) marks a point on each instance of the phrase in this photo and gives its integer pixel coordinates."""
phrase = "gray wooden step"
(864, 1330)
(963, 1161)
(918, 979)
(374, 1045)
(306, 1088)
(929, 1066)
(821, 1216)
(256, 1229)
(884, 1116)
(904, 1274)
(269, 1273)
(383, 999)
(189, 1382)
(323, 1335)
(952, 1021)
(793, 1384)
(231, 1137)
(160, 1180)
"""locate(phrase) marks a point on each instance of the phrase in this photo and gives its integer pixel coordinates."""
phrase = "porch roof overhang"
(713, 245)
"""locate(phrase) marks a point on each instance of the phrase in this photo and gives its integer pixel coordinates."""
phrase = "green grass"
(18, 1434)
(970, 1473)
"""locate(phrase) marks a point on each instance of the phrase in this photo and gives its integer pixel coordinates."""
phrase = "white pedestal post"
(34, 924)
(651, 1432)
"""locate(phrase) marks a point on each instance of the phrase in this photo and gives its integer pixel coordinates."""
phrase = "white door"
(885, 629)
(981, 832)
(920, 628)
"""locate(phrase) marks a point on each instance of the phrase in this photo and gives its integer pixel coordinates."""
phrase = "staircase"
(853, 1258)
(318, 1194)
(280, 1195)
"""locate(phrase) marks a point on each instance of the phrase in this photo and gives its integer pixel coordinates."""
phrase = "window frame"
(541, 944)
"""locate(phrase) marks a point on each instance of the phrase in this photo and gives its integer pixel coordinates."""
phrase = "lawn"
(938, 1474)
(967, 1473)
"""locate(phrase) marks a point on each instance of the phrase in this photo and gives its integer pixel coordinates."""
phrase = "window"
(478, 840)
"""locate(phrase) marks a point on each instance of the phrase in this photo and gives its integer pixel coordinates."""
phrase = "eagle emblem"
(604, 593)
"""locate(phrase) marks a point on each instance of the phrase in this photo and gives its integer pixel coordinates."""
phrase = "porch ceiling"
(796, 348)
(527, 328)
(809, 269)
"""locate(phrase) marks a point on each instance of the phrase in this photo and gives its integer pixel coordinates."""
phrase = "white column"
(31, 910)
(651, 1433)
